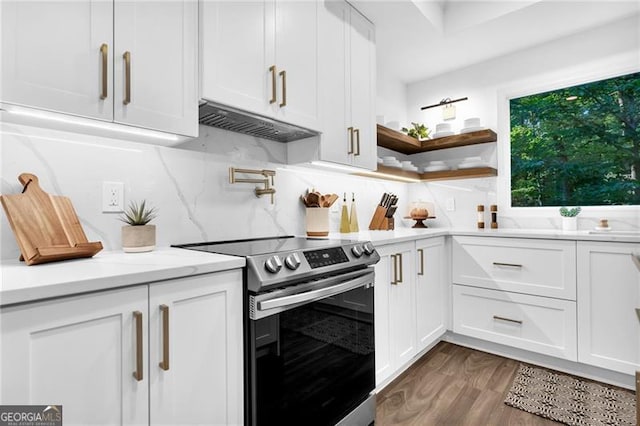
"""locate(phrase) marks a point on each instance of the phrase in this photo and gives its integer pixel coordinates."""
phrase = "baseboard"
(570, 367)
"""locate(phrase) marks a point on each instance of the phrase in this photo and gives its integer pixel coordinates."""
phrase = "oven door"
(311, 358)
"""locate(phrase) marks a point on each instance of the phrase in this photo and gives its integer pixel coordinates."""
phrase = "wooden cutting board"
(46, 226)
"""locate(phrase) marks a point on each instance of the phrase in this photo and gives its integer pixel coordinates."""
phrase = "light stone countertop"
(111, 269)
(106, 270)
(399, 235)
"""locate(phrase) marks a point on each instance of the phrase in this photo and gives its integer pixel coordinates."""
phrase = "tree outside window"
(578, 146)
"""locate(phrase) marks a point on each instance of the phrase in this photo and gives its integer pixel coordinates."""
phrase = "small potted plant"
(137, 235)
(419, 131)
(570, 218)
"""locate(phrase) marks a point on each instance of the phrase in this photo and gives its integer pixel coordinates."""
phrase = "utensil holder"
(317, 221)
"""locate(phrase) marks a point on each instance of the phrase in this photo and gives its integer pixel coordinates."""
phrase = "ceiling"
(419, 39)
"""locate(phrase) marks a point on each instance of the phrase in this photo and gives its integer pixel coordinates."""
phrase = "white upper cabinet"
(347, 86)
(235, 69)
(68, 57)
(52, 57)
(156, 87)
(262, 57)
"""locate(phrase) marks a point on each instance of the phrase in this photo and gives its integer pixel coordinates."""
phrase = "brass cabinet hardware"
(272, 70)
(357, 150)
(507, 265)
(421, 252)
(495, 317)
(127, 78)
(394, 267)
(400, 262)
(350, 130)
(283, 74)
(104, 52)
(137, 316)
(164, 364)
(638, 313)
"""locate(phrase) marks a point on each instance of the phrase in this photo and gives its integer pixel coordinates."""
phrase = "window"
(577, 146)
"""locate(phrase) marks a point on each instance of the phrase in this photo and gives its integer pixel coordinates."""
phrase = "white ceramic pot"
(570, 223)
(317, 221)
(138, 239)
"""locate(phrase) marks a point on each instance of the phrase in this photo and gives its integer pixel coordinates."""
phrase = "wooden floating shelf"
(400, 142)
(476, 172)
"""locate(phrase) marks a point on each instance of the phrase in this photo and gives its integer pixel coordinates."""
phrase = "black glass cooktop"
(258, 246)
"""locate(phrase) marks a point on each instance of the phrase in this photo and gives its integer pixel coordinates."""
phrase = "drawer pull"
(272, 70)
(421, 252)
(394, 266)
(127, 78)
(507, 265)
(104, 51)
(164, 364)
(137, 316)
(495, 317)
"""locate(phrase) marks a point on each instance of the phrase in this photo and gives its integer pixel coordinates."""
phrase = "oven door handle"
(318, 294)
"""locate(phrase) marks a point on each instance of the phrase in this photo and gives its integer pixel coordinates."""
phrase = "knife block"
(388, 224)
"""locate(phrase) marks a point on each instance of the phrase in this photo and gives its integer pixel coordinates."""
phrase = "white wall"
(391, 96)
(189, 185)
(603, 52)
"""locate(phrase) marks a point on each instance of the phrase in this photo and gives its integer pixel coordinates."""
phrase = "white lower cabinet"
(99, 354)
(431, 289)
(395, 323)
(537, 324)
(410, 302)
(608, 303)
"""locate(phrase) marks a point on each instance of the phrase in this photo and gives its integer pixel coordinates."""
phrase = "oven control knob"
(357, 251)
(292, 261)
(368, 249)
(273, 264)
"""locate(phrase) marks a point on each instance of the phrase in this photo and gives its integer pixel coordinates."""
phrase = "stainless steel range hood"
(235, 120)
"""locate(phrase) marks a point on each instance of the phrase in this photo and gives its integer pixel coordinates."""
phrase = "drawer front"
(538, 267)
(537, 324)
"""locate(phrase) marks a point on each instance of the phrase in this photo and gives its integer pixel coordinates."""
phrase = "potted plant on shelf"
(570, 218)
(419, 131)
(137, 235)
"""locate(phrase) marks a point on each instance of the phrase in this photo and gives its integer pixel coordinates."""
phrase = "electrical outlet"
(451, 204)
(112, 197)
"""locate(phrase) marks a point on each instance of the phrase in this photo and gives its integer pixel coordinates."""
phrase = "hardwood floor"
(453, 385)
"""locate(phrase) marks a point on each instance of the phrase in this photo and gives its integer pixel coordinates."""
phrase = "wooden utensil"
(46, 227)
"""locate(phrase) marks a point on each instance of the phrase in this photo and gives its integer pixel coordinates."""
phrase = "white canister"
(569, 223)
(317, 220)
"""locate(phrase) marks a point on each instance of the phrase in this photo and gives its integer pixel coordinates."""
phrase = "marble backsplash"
(189, 184)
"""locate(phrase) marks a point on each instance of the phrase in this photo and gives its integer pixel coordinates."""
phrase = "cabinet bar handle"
(127, 78)
(104, 51)
(421, 252)
(283, 74)
(357, 151)
(164, 364)
(638, 313)
(137, 316)
(399, 255)
(272, 70)
(350, 130)
(507, 265)
(394, 280)
(495, 317)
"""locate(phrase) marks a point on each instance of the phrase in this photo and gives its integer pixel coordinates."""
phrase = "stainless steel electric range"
(309, 329)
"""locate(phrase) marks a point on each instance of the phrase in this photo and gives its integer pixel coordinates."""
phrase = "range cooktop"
(281, 261)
